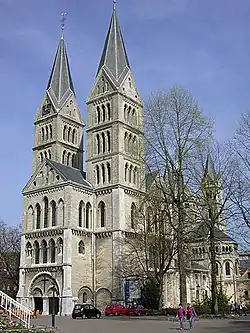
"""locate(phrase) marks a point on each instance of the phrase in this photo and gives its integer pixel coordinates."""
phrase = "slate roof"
(203, 230)
(150, 177)
(60, 84)
(114, 59)
(196, 266)
(73, 174)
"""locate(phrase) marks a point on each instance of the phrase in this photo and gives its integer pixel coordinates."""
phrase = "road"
(143, 325)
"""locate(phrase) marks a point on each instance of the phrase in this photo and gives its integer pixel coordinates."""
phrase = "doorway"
(38, 301)
(56, 305)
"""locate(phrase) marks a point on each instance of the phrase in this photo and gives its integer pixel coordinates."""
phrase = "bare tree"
(175, 127)
(10, 246)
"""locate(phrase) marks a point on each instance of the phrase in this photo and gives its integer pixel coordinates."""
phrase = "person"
(232, 308)
(244, 308)
(181, 315)
(191, 313)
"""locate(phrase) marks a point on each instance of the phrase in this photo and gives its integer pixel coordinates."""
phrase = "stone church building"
(72, 220)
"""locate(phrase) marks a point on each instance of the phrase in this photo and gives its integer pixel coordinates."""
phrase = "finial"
(114, 5)
(63, 19)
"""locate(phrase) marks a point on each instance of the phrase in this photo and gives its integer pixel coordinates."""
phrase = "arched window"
(64, 157)
(103, 113)
(125, 112)
(68, 159)
(53, 213)
(37, 252)
(103, 143)
(42, 134)
(135, 151)
(217, 269)
(102, 214)
(98, 143)
(109, 142)
(44, 251)
(126, 171)
(133, 212)
(28, 250)
(74, 136)
(41, 157)
(46, 211)
(126, 142)
(227, 268)
(81, 247)
(46, 132)
(80, 214)
(109, 111)
(50, 131)
(49, 154)
(130, 143)
(98, 114)
(60, 246)
(129, 114)
(52, 251)
(130, 173)
(103, 173)
(97, 175)
(88, 215)
(69, 134)
(45, 154)
(73, 160)
(38, 216)
(64, 132)
(135, 176)
(109, 172)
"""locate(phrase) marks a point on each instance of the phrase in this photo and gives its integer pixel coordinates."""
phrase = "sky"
(202, 45)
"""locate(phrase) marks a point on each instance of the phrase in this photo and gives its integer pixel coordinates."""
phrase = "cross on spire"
(114, 5)
(63, 19)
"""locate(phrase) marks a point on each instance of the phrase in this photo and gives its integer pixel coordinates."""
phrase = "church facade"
(73, 220)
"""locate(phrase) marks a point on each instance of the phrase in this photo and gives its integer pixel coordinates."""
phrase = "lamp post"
(53, 317)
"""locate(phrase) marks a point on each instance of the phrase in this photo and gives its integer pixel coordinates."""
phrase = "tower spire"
(114, 5)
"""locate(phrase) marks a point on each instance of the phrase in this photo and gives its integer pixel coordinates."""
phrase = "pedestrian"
(244, 308)
(232, 308)
(191, 313)
(181, 315)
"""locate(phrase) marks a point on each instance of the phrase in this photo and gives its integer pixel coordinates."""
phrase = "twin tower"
(73, 220)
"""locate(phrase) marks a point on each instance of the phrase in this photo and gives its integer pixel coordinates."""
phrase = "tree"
(175, 127)
(10, 246)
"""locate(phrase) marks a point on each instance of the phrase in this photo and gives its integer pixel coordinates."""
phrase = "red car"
(115, 309)
(137, 310)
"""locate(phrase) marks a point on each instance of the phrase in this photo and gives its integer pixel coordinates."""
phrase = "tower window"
(126, 171)
(109, 172)
(53, 213)
(74, 136)
(38, 216)
(130, 173)
(69, 134)
(64, 132)
(103, 143)
(80, 214)
(102, 214)
(46, 132)
(44, 251)
(109, 111)
(103, 173)
(98, 114)
(37, 252)
(64, 157)
(46, 210)
(108, 145)
(42, 134)
(133, 212)
(98, 143)
(103, 113)
(88, 215)
(52, 251)
(227, 268)
(81, 247)
(68, 159)
(97, 174)
(50, 131)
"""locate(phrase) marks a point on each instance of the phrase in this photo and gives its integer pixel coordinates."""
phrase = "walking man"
(191, 313)
(181, 315)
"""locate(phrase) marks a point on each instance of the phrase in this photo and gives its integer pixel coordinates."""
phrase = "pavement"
(66, 324)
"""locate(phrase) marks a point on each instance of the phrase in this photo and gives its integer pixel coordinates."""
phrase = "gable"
(129, 88)
(71, 110)
(102, 86)
(45, 175)
(45, 109)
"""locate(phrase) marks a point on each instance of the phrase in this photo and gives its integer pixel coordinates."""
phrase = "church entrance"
(38, 302)
(56, 305)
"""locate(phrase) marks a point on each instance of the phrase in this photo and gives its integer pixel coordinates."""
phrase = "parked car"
(85, 310)
(115, 309)
(136, 310)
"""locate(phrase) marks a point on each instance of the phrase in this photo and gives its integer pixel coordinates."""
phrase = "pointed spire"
(114, 58)
(60, 84)
(209, 167)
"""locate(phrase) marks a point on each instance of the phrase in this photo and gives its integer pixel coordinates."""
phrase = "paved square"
(143, 325)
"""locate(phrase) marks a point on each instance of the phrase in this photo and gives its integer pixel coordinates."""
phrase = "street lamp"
(53, 317)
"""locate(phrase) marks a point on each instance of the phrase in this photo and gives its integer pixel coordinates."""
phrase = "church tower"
(114, 162)
(58, 123)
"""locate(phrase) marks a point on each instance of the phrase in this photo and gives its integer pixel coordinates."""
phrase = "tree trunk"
(213, 272)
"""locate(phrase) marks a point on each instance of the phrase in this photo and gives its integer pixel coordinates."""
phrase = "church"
(72, 220)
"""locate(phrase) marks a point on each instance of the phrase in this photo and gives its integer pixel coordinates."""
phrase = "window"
(109, 111)
(133, 212)
(81, 247)
(64, 132)
(88, 215)
(103, 112)
(135, 176)
(41, 157)
(108, 144)
(109, 172)
(130, 173)
(69, 134)
(50, 131)
(28, 249)
(74, 136)
(64, 157)
(53, 213)
(60, 246)
(103, 173)
(80, 214)
(97, 174)
(44, 251)
(98, 143)
(103, 143)
(227, 268)
(42, 134)
(52, 251)
(46, 132)
(102, 213)
(68, 159)
(98, 114)
(46, 210)
(38, 216)
(125, 112)
(37, 252)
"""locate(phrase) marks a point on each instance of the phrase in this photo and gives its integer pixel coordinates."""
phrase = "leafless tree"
(10, 246)
(175, 128)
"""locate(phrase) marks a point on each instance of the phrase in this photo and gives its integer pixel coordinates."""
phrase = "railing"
(15, 309)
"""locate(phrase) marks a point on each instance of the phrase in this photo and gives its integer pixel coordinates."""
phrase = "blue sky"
(203, 45)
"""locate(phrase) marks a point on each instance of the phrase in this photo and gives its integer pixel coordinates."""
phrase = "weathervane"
(114, 4)
(63, 19)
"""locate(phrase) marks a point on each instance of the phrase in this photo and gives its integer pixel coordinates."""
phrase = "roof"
(114, 59)
(60, 84)
(202, 231)
(150, 177)
(73, 174)
(196, 266)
